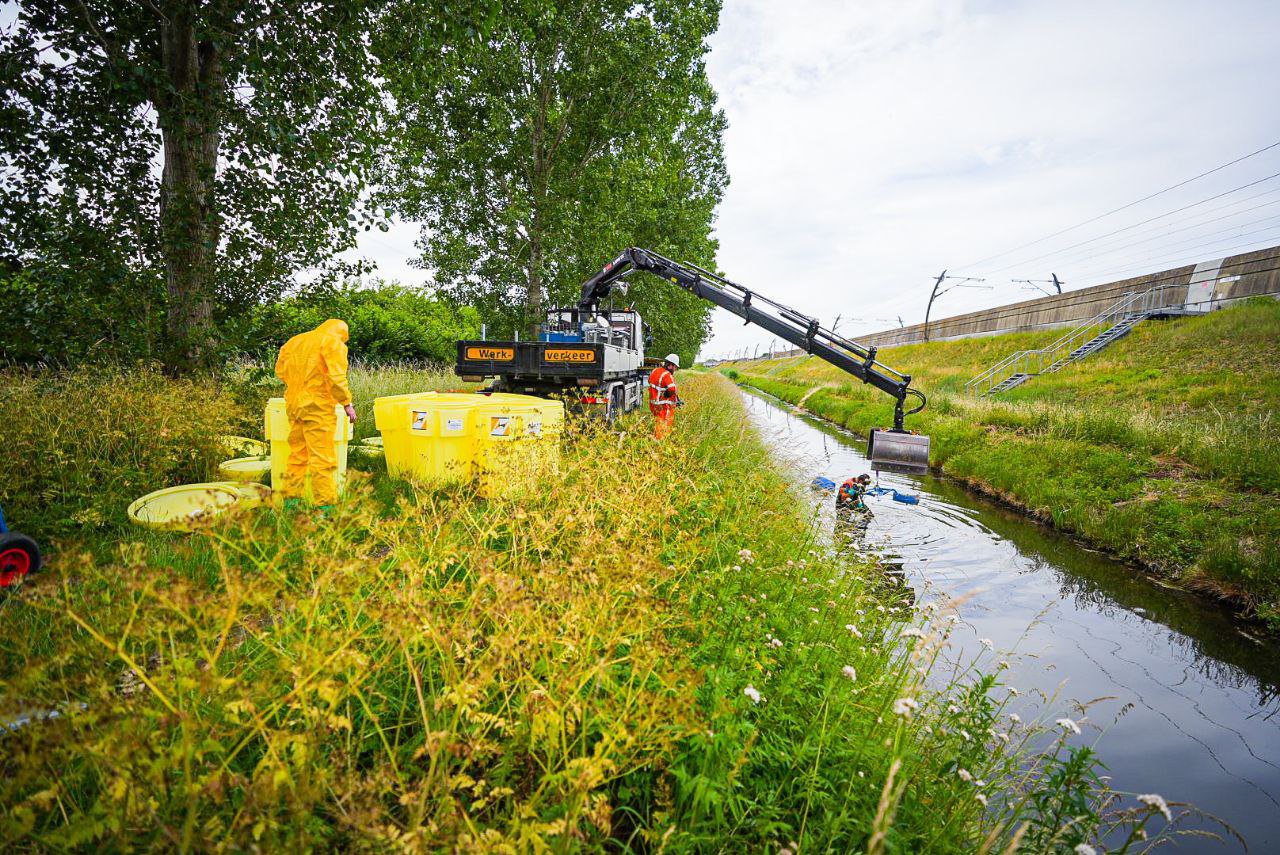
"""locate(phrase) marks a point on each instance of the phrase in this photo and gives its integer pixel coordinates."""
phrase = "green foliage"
(388, 323)
(1163, 448)
(428, 669)
(81, 446)
(573, 131)
(264, 117)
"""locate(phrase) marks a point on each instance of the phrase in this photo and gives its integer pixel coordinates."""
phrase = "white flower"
(1013, 691)
(737, 568)
(790, 563)
(912, 632)
(752, 693)
(953, 709)
(813, 608)
(1084, 849)
(1004, 663)
(965, 734)
(982, 800)
(1068, 725)
(1001, 735)
(985, 642)
(1154, 801)
(853, 629)
(775, 642)
(1015, 718)
(880, 609)
(764, 596)
(964, 775)
(904, 706)
(746, 556)
(850, 672)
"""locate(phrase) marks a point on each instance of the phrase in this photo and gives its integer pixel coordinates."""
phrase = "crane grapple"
(891, 450)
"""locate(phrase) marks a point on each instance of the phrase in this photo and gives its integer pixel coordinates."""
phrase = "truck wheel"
(19, 556)
(617, 402)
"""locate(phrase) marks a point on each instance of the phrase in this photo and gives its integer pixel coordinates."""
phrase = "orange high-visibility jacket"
(313, 366)
(662, 388)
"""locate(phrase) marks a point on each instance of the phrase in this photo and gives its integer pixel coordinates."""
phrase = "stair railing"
(1138, 304)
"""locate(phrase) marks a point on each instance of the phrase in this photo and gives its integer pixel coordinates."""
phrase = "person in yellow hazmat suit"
(313, 366)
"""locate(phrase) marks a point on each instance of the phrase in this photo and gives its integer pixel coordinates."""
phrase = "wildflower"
(1015, 718)
(1152, 800)
(1068, 725)
(813, 608)
(737, 568)
(880, 609)
(982, 800)
(746, 556)
(853, 629)
(965, 775)
(1001, 735)
(952, 619)
(929, 730)
(775, 642)
(953, 709)
(752, 693)
(1013, 691)
(849, 672)
(904, 706)
(912, 632)
(985, 642)
(764, 596)
(965, 734)
(1004, 663)
(790, 563)
(1084, 849)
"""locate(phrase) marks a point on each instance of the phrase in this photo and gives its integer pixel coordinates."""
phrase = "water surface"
(1198, 694)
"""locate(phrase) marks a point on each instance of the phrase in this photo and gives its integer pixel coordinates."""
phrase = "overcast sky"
(872, 144)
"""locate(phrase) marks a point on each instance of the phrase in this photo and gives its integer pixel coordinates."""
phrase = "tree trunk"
(534, 313)
(190, 126)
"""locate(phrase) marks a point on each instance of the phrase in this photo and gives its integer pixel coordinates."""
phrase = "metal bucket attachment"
(896, 451)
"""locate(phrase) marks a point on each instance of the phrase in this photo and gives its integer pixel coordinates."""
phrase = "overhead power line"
(1122, 207)
(1136, 225)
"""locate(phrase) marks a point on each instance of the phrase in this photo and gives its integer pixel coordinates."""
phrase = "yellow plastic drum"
(276, 428)
(543, 427)
(246, 468)
(408, 453)
(183, 508)
(252, 495)
(429, 437)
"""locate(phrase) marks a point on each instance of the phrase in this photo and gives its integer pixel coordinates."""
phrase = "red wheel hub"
(14, 564)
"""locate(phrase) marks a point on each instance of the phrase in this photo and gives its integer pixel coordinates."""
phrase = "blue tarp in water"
(906, 498)
(824, 483)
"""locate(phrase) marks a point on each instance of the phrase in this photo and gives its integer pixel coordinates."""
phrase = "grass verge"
(653, 651)
(1163, 448)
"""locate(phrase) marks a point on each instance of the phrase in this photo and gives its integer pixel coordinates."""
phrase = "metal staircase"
(1088, 338)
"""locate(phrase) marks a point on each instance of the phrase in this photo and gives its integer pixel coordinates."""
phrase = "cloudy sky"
(872, 144)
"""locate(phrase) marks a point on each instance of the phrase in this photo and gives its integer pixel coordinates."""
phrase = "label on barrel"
(535, 428)
(499, 425)
(491, 354)
(568, 354)
(419, 419)
(453, 424)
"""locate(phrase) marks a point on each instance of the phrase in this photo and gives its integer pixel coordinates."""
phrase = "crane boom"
(788, 324)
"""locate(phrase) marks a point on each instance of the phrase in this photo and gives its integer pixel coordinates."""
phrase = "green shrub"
(79, 447)
(389, 323)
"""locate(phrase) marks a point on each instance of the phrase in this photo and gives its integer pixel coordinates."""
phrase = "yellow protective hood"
(333, 326)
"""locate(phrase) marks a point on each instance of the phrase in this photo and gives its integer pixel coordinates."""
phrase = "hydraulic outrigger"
(892, 450)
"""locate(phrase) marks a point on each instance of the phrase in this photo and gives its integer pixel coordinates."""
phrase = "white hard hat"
(674, 359)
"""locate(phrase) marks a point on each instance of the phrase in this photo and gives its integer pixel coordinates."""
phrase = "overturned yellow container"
(276, 430)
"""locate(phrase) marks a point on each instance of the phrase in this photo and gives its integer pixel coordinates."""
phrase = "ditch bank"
(1117, 493)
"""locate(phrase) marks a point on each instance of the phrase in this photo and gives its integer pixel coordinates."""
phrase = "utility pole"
(937, 283)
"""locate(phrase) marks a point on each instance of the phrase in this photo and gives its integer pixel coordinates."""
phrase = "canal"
(1189, 707)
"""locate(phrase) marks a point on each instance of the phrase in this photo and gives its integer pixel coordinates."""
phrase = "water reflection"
(1203, 725)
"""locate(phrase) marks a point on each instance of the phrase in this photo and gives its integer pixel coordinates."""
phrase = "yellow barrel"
(276, 429)
(428, 436)
(544, 426)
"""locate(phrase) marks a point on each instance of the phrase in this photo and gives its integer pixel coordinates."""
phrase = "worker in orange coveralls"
(313, 366)
(663, 398)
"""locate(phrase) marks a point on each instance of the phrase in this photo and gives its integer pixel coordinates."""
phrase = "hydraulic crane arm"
(788, 324)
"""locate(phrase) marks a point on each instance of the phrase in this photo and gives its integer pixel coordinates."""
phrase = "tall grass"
(650, 651)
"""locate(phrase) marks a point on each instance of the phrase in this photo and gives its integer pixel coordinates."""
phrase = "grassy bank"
(1164, 448)
(652, 652)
